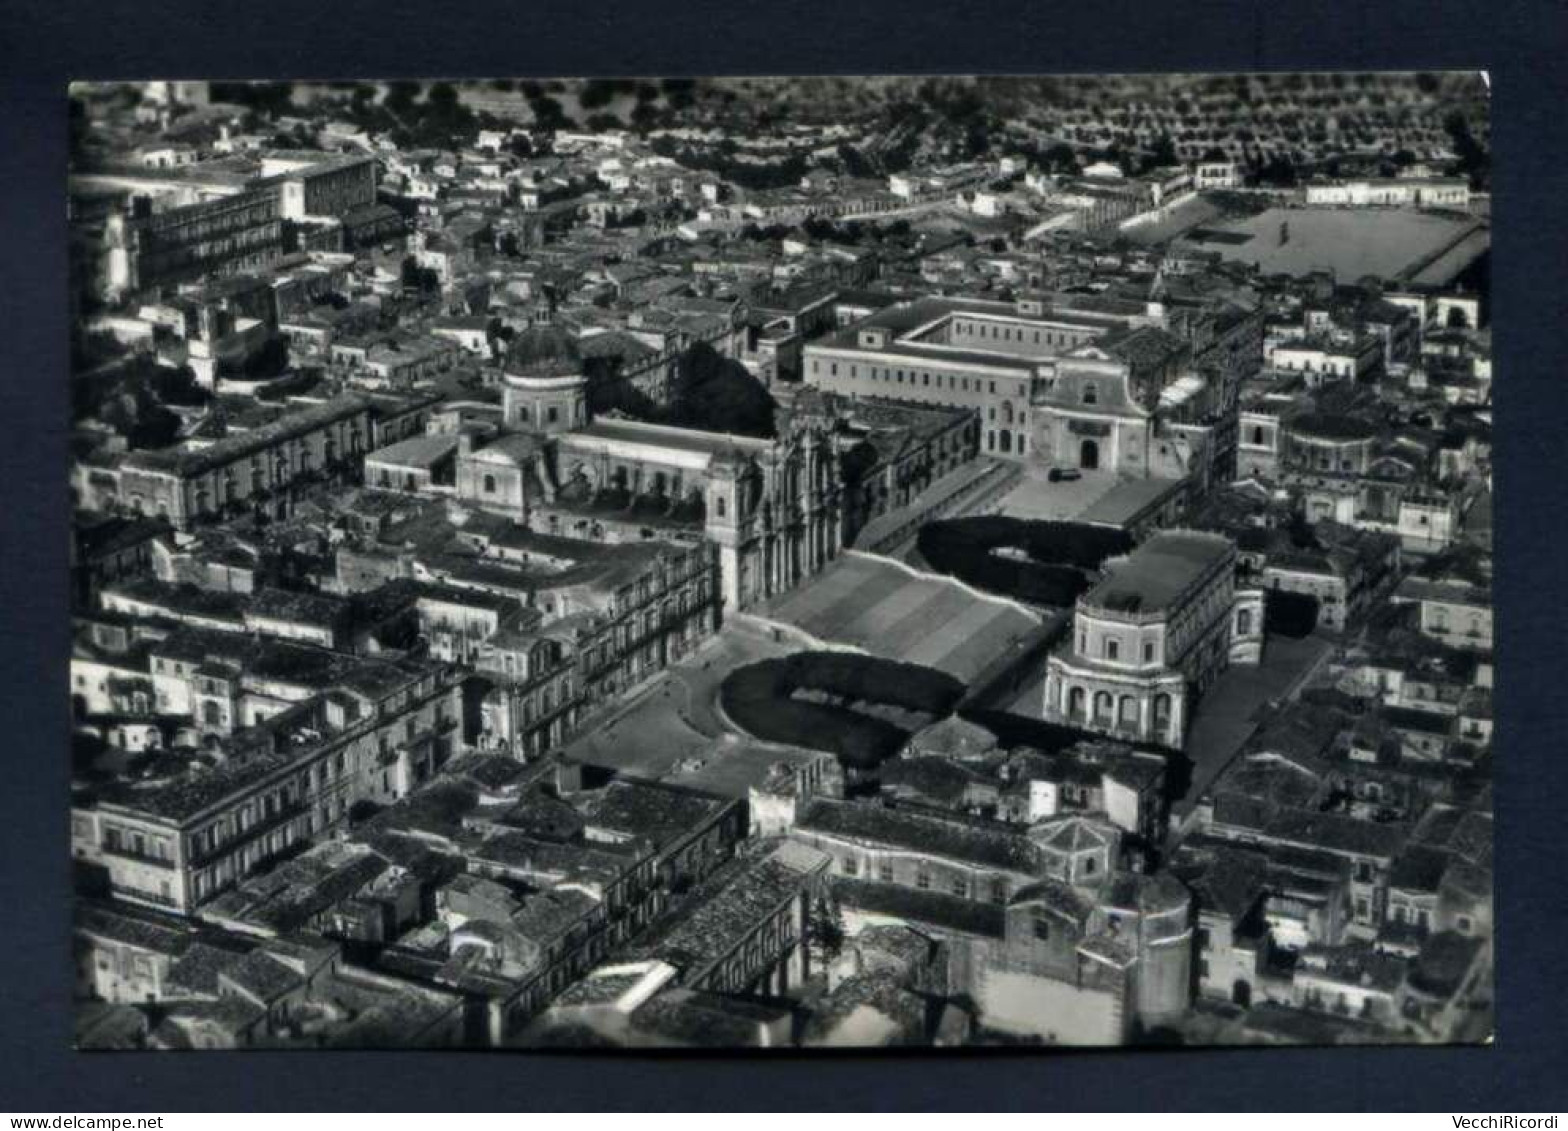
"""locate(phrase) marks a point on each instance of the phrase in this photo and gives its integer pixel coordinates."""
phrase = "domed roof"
(544, 351)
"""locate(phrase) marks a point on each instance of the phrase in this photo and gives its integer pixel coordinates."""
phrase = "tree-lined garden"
(825, 701)
(1038, 562)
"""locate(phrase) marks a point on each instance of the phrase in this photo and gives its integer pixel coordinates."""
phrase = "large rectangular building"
(989, 356)
(217, 218)
(178, 837)
(262, 467)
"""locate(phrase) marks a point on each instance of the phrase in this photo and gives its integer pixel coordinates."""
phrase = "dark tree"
(1474, 161)
(681, 94)
(717, 394)
(547, 112)
(270, 98)
(1162, 153)
(596, 94)
(1061, 158)
(827, 931)
(269, 361)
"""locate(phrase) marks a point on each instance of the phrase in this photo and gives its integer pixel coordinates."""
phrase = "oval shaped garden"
(860, 708)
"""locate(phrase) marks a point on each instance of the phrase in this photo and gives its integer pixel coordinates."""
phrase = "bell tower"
(728, 525)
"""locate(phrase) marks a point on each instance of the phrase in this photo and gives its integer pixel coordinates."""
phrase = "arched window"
(1257, 435)
(489, 484)
(1104, 706)
(1091, 393)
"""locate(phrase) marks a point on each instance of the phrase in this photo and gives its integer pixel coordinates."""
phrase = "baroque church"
(773, 507)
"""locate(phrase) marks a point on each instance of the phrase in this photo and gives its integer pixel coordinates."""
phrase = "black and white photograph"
(781, 563)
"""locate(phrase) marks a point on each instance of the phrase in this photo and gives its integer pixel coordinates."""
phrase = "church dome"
(544, 351)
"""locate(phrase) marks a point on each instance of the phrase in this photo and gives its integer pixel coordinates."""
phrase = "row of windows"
(922, 378)
(1006, 333)
(958, 886)
(1439, 621)
(137, 843)
(552, 414)
(1002, 441)
(1111, 648)
(1107, 711)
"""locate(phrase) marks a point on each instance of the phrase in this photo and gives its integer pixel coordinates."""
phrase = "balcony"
(251, 832)
(151, 898)
(126, 852)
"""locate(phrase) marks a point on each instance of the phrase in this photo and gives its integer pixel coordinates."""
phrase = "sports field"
(1196, 211)
(1392, 243)
(870, 603)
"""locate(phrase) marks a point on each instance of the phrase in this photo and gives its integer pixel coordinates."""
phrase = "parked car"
(1059, 474)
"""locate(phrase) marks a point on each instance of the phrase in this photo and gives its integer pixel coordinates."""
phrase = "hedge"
(759, 699)
(1062, 557)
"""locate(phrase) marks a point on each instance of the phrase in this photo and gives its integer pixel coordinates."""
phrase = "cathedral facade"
(773, 507)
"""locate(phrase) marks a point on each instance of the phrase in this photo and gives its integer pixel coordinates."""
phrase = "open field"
(1393, 243)
(870, 603)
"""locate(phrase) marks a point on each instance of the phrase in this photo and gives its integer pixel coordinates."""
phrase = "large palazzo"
(1151, 636)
